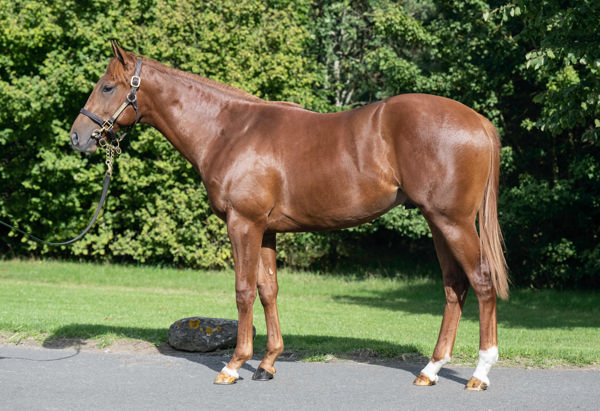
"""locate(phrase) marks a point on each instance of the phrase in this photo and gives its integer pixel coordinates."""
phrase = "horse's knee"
(268, 288)
(268, 292)
(245, 297)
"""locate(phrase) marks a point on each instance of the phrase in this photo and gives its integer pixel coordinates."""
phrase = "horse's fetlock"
(275, 348)
(243, 355)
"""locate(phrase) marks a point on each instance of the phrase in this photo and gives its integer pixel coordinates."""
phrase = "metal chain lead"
(111, 149)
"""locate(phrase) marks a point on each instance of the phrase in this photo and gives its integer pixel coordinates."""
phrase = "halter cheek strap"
(107, 126)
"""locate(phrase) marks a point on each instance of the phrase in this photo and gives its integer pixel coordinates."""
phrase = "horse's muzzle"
(88, 146)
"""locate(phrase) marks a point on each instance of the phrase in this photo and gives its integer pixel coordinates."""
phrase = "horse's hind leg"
(466, 247)
(463, 243)
(456, 285)
(267, 290)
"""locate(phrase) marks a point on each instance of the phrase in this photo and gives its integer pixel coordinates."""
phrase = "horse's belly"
(333, 209)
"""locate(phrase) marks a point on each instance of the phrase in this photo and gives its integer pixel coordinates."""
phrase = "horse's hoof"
(476, 384)
(225, 378)
(262, 375)
(423, 381)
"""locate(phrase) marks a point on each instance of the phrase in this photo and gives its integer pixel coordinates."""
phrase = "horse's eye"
(107, 89)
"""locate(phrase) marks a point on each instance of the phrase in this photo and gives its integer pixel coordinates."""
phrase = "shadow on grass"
(525, 308)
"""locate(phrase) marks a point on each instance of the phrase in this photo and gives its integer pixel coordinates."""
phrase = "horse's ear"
(118, 51)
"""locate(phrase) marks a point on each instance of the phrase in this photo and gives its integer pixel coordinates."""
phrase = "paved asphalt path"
(35, 378)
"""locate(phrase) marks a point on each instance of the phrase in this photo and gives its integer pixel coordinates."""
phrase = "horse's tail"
(492, 245)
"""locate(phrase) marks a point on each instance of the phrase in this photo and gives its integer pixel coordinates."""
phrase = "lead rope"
(111, 150)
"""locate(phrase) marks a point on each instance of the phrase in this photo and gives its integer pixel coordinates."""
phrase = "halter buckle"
(136, 81)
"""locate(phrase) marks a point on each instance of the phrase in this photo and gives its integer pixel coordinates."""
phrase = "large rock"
(203, 334)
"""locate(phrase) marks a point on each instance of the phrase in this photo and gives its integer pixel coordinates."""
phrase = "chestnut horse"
(273, 167)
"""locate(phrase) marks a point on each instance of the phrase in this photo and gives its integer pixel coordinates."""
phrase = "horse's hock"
(201, 334)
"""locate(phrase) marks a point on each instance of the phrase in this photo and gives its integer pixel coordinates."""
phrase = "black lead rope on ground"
(100, 204)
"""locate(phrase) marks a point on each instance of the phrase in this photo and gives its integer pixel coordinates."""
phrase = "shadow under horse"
(274, 167)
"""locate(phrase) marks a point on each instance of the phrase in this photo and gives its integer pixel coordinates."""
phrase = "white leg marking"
(486, 360)
(231, 372)
(432, 369)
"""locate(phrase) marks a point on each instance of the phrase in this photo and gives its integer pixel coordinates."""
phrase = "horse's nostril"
(74, 138)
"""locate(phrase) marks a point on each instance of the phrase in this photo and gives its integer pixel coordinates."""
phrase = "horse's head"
(112, 105)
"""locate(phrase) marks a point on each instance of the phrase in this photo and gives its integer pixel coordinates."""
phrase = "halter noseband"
(107, 125)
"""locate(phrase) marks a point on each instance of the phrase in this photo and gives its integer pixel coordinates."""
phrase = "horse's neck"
(186, 108)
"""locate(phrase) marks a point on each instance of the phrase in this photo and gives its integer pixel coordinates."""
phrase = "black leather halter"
(107, 126)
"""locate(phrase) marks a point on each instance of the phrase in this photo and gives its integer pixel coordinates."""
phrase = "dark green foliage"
(551, 201)
(533, 68)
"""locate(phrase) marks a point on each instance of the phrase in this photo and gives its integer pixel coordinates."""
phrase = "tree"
(366, 50)
(555, 179)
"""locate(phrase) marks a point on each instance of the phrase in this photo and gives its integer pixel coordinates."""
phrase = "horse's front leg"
(246, 238)
(267, 290)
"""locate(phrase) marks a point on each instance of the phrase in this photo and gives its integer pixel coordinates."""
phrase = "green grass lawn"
(321, 315)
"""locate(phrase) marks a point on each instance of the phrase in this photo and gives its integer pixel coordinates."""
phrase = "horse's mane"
(225, 88)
